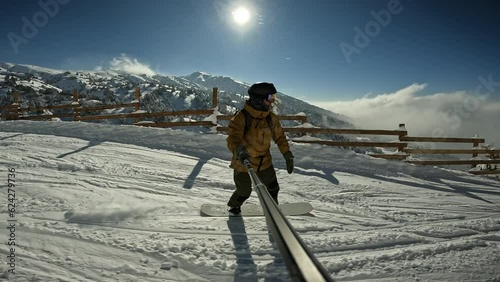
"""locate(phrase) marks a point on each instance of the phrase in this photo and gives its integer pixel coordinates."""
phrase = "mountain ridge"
(167, 92)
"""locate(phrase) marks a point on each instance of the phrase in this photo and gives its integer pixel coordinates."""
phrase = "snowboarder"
(249, 137)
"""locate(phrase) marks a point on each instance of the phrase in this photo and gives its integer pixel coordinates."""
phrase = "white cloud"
(456, 114)
(129, 65)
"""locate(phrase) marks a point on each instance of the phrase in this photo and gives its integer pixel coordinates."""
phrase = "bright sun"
(241, 15)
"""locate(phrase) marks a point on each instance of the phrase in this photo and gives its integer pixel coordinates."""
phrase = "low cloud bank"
(456, 114)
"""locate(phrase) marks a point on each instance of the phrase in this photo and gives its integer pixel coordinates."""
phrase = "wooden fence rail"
(176, 123)
(145, 115)
(106, 107)
(441, 139)
(301, 118)
(484, 172)
(344, 131)
(353, 143)
(401, 144)
(45, 117)
(8, 107)
(56, 107)
(475, 151)
(450, 151)
(454, 162)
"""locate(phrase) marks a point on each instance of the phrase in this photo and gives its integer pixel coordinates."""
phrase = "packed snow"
(98, 202)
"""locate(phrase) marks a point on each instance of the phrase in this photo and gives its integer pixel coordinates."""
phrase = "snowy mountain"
(42, 86)
(288, 105)
(223, 82)
(98, 202)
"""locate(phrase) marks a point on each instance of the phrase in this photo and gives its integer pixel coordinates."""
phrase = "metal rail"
(299, 260)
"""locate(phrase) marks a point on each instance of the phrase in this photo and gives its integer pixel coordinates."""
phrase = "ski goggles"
(271, 98)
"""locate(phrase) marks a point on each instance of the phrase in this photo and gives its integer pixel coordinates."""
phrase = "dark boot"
(234, 210)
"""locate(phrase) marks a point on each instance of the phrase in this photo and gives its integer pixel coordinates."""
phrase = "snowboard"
(219, 210)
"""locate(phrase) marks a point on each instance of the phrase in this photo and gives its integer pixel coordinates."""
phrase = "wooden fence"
(401, 144)
(475, 151)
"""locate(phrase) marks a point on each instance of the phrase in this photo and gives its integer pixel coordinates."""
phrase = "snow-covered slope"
(97, 202)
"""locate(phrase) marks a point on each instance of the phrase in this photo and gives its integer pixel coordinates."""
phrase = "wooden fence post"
(14, 110)
(474, 145)
(138, 101)
(303, 120)
(401, 149)
(215, 103)
(76, 105)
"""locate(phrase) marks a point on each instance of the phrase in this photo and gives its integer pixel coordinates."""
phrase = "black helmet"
(261, 90)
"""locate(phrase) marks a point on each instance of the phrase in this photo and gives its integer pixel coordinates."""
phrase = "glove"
(242, 154)
(289, 161)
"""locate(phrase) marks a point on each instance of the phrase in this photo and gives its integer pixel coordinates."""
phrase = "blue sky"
(446, 45)
(431, 64)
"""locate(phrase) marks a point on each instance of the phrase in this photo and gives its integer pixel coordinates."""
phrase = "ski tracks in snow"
(138, 208)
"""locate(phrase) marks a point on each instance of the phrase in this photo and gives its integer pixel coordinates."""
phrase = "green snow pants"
(244, 185)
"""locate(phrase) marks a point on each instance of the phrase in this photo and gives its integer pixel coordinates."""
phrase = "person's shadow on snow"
(246, 269)
(194, 173)
(89, 145)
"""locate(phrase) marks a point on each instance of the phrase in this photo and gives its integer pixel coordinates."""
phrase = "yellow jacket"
(257, 140)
